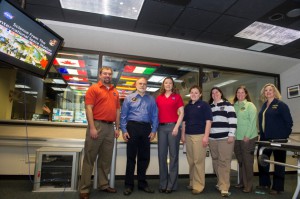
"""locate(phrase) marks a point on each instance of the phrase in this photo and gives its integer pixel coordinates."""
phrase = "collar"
(100, 84)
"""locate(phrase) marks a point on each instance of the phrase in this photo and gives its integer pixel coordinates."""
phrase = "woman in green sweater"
(246, 136)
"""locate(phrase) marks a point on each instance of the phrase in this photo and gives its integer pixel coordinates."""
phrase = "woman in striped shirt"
(221, 138)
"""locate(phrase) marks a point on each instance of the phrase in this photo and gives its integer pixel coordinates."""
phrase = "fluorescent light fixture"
(119, 8)
(79, 88)
(188, 95)
(156, 78)
(225, 83)
(269, 33)
(21, 86)
(189, 68)
(151, 89)
(31, 92)
(77, 84)
(259, 46)
(178, 80)
(58, 81)
(60, 89)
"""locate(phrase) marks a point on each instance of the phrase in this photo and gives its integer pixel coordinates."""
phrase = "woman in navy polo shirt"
(170, 114)
(275, 122)
(195, 132)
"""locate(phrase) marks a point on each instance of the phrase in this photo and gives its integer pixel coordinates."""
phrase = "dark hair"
(197, 87)
(246, 91)
(222, 95)
(162, 89)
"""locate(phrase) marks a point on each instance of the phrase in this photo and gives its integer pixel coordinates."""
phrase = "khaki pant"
(221, 154)
(103, 147)
(196, 155)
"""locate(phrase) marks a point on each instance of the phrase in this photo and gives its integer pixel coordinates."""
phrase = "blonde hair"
(277, 94)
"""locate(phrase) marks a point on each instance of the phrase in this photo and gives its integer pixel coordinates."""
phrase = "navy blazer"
(278, 121)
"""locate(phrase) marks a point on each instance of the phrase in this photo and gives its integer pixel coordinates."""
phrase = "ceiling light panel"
(269, 33)
(259, 46)
(118, 8)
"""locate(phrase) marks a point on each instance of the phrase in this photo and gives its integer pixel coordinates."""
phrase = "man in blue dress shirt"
(139, 122)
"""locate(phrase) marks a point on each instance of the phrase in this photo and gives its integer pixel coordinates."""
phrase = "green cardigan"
(246, 120)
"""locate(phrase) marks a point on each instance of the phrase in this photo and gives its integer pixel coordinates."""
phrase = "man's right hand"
(93, 133)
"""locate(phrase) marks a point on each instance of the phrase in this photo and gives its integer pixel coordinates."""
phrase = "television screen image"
(80, 117)
(62, 115)
(26, 43)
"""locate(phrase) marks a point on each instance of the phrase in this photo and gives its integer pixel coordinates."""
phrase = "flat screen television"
(25, 42)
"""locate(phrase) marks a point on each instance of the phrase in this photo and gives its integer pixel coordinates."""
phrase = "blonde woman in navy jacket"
(275, 122)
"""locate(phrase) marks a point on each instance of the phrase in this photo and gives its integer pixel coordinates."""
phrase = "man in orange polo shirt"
(102, 110)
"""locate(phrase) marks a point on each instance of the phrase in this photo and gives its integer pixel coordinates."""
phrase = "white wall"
(290, 78)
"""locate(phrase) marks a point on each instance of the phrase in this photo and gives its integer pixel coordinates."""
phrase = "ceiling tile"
(160, 13)
(52, 3)
(118, 23)
(229, 25)
(236, 42)
(213, 38)
(86, 18)
(196, 19)
(45, 12)
(253, 9)
(210, 5)
(183, 33)
(150, 28)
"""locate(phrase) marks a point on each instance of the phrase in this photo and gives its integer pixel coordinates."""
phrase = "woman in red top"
(170, 115)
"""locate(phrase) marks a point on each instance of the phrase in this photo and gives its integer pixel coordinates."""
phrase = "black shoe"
(168, 191)
(127, 191)
(162, 190)
(262, 187)
(147, 190)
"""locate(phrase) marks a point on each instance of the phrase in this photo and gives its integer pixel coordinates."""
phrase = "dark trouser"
(279, 171)
(244, 152)
(168, 143)
(138, 146)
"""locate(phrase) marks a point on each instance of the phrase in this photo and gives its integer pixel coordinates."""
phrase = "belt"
(104, 121)
(168, 123)
(137, 122)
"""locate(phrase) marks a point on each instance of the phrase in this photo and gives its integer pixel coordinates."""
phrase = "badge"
(173, 98)
(243, 108)
(275, 106)
(222, 108)
(133, 99)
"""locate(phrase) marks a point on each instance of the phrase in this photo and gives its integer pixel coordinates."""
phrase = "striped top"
(224, 121)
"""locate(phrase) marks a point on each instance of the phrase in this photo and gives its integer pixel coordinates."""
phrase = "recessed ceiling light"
(119, 8)
(259, 46)
(225, 83)
(269, 33)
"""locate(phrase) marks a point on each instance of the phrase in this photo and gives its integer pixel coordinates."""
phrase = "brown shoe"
(239, 186)
(110, 190)
(84, 196)
(274, 192)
